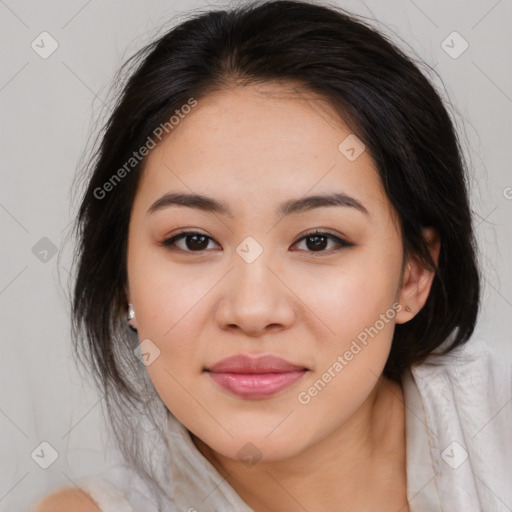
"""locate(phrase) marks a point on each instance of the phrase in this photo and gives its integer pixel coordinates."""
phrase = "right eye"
(194, 241)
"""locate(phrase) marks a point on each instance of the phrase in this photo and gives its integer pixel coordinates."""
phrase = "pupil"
(198, 246)
(319, 241)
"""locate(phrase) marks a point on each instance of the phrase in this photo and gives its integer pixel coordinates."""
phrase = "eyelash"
(343, 244)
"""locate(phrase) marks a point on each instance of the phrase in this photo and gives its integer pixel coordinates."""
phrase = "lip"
(255, 377)
(242, 363)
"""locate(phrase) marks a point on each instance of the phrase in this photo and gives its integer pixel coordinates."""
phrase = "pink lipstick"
(255, 377)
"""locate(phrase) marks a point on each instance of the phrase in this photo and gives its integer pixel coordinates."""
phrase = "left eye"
(316, 241)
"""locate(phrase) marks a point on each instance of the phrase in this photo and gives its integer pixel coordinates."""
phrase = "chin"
(253, 451)
(256, 445)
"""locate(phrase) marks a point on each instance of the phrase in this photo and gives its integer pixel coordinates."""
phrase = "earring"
(131, 316)
(408, 309)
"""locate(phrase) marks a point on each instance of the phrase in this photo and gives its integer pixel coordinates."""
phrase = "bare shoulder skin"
(65, 500)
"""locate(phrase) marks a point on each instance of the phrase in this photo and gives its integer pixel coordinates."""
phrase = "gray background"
(49, 106)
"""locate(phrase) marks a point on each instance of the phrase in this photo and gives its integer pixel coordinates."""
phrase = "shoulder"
(465, 400)
(67, 499)
(476, 361)
(466, 392)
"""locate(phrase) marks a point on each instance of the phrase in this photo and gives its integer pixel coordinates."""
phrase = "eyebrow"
(292, 206)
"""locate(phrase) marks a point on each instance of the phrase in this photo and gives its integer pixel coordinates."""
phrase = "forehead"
(261, 143)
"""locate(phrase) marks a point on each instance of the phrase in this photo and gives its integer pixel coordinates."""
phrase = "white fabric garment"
(458, 447)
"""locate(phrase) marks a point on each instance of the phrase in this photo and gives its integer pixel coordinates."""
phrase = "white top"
(458, 447)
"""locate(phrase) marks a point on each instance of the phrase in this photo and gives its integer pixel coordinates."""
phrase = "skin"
(66, 499)
(254, 147)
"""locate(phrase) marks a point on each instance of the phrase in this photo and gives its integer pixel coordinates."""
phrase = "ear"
(417, 280)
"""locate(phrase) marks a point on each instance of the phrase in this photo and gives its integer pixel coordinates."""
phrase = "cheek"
(171, 380)
(170, 311)
(166, 294)
(357, 308)
(353, 299)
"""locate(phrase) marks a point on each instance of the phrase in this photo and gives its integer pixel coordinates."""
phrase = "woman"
(276, 277)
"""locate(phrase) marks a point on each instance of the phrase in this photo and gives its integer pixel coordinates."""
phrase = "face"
(256, 280)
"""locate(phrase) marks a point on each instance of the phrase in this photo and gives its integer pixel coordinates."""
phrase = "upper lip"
(243, 363)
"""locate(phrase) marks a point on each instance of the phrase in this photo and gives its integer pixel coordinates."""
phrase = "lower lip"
(256, 385)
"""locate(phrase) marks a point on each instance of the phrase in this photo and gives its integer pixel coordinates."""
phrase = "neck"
(354, 468)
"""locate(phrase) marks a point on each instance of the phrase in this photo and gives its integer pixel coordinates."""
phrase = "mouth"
(249, 377)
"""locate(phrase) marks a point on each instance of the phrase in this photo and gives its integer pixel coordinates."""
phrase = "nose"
(255, 298)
